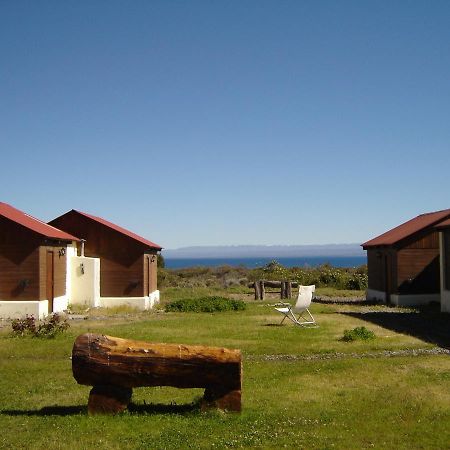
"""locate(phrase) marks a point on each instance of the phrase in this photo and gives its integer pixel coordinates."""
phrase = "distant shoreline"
(251, 263)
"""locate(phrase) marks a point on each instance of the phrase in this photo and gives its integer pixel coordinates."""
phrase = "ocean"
(251, 263)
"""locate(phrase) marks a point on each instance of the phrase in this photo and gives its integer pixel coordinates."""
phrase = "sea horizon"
(254, 262)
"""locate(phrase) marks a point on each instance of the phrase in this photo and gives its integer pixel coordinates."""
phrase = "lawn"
(302, 388)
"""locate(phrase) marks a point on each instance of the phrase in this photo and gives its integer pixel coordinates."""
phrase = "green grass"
(340, 401)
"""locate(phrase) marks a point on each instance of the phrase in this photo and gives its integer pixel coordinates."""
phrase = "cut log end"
(219, 399)
(105, 399)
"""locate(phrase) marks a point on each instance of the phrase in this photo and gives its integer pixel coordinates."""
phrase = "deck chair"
(289, 311)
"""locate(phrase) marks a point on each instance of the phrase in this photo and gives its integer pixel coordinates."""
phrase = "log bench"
(114, 366)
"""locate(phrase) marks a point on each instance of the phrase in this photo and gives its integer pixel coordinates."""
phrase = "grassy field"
(303, 388)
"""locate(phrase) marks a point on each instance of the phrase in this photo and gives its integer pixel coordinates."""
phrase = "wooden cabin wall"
(19, 273)
(19, 262)
(446, 243)
(419, 266)
(119, 280)
(123, 266)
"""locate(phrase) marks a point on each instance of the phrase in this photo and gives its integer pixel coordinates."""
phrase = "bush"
(361, 333)
(49, 327)
(206, 304)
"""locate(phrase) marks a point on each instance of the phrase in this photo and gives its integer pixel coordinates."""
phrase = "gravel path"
(326, 356)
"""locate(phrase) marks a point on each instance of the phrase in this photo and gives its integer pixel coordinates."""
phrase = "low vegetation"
(237, 278)
(48, 328)
(205, 304)
(361, 333)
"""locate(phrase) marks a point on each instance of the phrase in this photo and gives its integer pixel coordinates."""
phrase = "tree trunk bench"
(114, 366)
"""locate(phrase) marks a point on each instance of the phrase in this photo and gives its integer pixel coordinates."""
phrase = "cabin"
(404, 264)
(113, 266)
(444, 240)
(33, 265)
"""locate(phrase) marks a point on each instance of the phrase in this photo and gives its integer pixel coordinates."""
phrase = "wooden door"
(149, 276)
(50, 280)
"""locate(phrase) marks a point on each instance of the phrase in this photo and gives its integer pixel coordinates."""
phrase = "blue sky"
(227, 122)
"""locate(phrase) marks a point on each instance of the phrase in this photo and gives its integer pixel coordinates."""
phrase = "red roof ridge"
(408, 228)
(119, 229)
(33, 224)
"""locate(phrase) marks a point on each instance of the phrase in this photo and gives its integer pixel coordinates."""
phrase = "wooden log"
(107, 399)
(273, 284)
(288, 289)
(114, 366)
(262, 290)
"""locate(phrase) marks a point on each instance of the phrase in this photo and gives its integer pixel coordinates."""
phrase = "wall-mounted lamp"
(62, 252)
(82, 268)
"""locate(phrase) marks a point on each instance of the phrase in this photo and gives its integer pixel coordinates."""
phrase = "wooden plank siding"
(418, 271)
(430, 240)
(23, 267)
(446, 243)
(19, 274)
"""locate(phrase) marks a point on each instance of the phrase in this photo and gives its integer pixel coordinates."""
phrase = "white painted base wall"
(414, 300)
(372, 294)
(403, 300)
(445, 301)
(141, 303)
(60, 304)
(20, 309)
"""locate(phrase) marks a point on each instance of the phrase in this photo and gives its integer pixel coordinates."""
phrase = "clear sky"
(227, 122)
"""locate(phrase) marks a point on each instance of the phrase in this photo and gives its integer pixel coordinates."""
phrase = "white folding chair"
(301, 306)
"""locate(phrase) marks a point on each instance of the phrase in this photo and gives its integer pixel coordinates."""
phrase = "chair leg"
(306, 321)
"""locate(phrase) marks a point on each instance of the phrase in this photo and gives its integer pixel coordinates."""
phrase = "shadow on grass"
(46, 411)
(152, 408)
(427, 324)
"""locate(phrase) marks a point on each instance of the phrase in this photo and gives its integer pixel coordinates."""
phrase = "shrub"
(361, 333)
(206, 304)
(49, 327)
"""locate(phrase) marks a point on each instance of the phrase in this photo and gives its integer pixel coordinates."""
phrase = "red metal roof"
(33, 224)
(120, 230)
(409, 228)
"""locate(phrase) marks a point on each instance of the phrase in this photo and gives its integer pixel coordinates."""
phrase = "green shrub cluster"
(358, 333)
(206, 304)
(49, 327)
(322, 276)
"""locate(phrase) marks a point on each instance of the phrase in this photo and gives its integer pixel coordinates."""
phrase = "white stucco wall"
(141, 303)
(85, 281)
(20, 309)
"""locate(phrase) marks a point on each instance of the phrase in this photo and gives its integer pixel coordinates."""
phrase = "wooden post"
(288, 289)
(262, 290)
(113, 366)
(257, 290)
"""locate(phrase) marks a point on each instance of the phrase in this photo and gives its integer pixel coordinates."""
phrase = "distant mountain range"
(264, 251)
